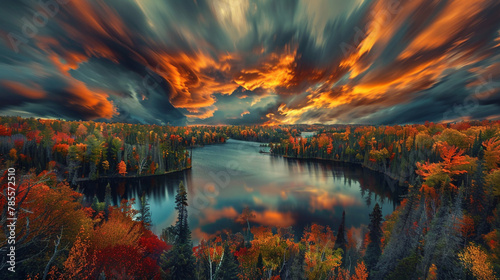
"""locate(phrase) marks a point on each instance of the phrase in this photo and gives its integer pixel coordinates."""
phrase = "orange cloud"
(191, 82)
(453, 19)
(199, 234)
(93, 104)
(441, 43)
(323, 200)
(212, 215)
(275, 70)
(34, 92)
(273, 218)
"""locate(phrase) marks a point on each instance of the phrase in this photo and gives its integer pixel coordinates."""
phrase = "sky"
(251, 62)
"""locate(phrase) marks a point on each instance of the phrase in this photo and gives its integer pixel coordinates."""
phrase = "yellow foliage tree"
(475, 261)
(492, 153)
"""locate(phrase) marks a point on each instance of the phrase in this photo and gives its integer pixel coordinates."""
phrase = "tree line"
(90, 150)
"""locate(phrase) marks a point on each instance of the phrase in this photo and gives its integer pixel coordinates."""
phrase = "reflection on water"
(283, 192)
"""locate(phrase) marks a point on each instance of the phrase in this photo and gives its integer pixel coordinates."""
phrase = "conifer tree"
(228, 269)
(145, 212)
(298, 271)
(179, 263)
(373, 250)
(442, 242)
(107, 201)
(95, 203)
(341, 242)
(404, 237)
(260, 264)
(476, 146)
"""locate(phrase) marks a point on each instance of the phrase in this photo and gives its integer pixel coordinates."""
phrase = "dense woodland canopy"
(447, 226)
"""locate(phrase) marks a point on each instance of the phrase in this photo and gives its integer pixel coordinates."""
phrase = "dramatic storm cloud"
(244, 62)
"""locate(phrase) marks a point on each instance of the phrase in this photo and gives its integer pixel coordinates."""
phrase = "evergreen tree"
(182, 227)
(482, 197)
(405, 236)
(95, 204)
(405, 268)
(179, 263)
(476, 146)
(228, 268)
(443, 240)
(298, 271)
(478, 193)
(168, 235)
(145, 212)
(373, 250)
(260, 264)
(341, 242)
(107, 201)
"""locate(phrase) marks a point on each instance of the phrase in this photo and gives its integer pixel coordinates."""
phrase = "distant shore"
(133, 176)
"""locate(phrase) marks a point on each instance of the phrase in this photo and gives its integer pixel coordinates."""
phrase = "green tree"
(298, 271)
(107, 201)
(405, 236)
(405, 268)
(145, 212)
(260, 264)
(373, 250)
(340, 241)
(179, 263)
(228, 268)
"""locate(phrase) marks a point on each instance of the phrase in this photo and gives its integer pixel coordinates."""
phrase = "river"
(226, 178)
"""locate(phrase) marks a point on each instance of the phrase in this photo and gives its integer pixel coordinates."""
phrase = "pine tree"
(182, 227)
(168, 235)
(483, 199)
(443, 241)
(95, 204)
(476, 146)
(341, 242)
(478, 193)
(405, 236)
(373, 250)
(298, 271)
(179, 263)
(145, 212)
(228, 269)
(107, 201)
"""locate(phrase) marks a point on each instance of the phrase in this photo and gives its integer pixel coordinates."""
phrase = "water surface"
(284, 192)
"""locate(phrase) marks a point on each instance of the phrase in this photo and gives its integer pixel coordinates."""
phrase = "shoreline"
(132, 177)
(400, 181)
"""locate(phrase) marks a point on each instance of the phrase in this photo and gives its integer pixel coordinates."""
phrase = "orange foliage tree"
(122, 168)
(443, 173)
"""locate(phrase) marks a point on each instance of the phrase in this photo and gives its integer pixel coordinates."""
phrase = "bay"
(281, 192)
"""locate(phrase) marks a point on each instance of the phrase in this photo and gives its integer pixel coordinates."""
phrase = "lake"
(226, 178)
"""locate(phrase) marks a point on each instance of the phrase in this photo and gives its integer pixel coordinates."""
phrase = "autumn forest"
(446, 226)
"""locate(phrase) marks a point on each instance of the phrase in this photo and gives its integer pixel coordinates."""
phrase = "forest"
(447, 225)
